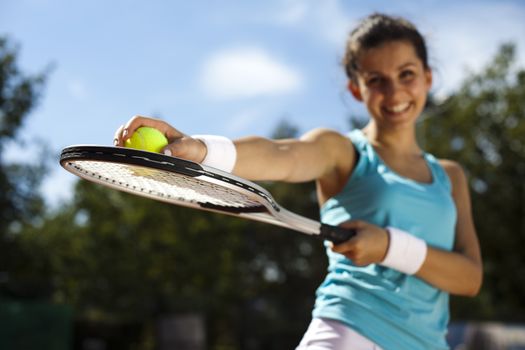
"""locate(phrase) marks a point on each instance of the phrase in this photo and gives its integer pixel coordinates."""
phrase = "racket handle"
(336, 234)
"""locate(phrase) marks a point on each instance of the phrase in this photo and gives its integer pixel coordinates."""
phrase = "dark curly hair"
(376, 30)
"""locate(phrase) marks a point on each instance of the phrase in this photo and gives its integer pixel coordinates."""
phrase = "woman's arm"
(315, 155)
(461, 271)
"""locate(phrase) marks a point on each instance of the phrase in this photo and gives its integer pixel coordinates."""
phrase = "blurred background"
(84, 267)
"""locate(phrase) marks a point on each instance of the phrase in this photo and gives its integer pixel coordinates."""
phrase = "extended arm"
(315, 155)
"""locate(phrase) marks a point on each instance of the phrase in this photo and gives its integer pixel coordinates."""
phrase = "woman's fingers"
(186, 147)
(179, 144)
(368, 246)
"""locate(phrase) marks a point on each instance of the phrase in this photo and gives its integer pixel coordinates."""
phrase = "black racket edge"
(132, 157)
(336, 234)
(150, 159)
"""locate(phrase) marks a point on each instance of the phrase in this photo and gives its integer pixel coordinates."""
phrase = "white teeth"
(398, 108)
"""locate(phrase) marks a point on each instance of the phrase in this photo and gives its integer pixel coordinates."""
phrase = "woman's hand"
(180, 145)
(368, 246)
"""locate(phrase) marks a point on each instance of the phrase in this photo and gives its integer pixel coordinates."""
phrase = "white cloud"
(77, 89)
(247, 72)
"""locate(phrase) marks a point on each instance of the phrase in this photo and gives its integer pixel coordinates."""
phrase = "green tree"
(20, 201)
(482, 126)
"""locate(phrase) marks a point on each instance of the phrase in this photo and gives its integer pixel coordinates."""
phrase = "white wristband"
(221, 153)
(406, 253)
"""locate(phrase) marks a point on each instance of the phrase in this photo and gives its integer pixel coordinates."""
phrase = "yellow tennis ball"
(147, 139)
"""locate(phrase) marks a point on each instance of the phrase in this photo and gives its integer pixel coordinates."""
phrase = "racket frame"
(270, 211)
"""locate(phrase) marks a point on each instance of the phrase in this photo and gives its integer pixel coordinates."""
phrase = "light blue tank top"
(394, 310)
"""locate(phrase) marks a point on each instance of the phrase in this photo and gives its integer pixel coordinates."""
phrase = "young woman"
(388, 287)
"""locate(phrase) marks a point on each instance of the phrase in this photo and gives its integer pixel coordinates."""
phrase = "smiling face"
(393, 83)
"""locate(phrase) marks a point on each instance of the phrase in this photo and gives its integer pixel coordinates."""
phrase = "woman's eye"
(373, 81)
(407, 74)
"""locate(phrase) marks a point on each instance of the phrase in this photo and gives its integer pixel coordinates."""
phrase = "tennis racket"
(182, 182)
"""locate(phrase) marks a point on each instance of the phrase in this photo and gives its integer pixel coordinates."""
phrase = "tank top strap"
(359, 140)
(439, 174)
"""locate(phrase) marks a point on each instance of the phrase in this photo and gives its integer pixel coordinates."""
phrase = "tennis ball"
(147, 139)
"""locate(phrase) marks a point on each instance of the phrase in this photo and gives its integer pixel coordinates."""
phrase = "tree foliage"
(20, 201)
(19, 94)
(483, 127)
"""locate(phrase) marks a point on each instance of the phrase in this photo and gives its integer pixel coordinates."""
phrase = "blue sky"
(222, 67)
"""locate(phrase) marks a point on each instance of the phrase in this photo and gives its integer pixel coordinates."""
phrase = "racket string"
(162, 184)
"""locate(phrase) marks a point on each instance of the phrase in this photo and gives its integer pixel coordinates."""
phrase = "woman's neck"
(401, 141)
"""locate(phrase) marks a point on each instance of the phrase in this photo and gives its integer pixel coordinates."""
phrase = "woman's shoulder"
(454, 171)
(339, 150)
(325, 133)
(331, 140)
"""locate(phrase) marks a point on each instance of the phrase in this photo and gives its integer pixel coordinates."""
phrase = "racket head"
(168, 179)
(186, 183)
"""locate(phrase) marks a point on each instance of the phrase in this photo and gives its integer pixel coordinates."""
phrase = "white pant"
(325, 334)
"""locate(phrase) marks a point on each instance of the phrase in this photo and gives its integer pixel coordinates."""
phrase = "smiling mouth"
(398, 109)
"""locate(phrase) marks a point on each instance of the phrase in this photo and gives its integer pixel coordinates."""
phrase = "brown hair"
(376, 30)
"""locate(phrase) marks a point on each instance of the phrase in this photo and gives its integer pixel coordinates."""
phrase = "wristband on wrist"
(221, 153)
(406, 253)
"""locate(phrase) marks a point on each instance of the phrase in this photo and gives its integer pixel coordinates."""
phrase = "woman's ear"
(354, 89)
(428, 78)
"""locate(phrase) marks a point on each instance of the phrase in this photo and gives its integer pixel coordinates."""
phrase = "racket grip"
(336, 234)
